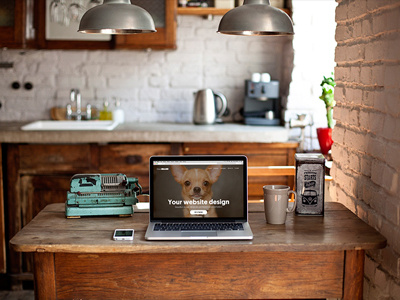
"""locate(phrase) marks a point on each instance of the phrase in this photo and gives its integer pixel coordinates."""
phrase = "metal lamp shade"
(116, 17)
(256, 17)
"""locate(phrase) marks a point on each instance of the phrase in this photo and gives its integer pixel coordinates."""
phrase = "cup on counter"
(276, 199)
(269, 115)
(256, 77)
(265, 77)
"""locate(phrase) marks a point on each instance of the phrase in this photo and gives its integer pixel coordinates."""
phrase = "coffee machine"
(262, 103)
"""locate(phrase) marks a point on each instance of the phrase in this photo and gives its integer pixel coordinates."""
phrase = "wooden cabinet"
(36, 176)
(207, 11)
(39, 174)
(202, 11)
(65, 38)
(2, 225)
(164, 38)
(16, 23)
(20, 30)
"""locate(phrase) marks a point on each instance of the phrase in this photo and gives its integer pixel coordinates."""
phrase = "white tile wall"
(151, 86)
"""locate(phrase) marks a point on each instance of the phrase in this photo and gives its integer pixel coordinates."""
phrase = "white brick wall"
(151, 86)
(366, 148)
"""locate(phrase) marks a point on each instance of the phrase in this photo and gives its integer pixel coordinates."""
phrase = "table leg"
(353, 275)
(45, 279)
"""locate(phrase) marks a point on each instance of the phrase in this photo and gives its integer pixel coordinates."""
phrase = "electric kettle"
(206, 109)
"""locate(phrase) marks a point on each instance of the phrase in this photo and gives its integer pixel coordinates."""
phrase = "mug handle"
(295, 201)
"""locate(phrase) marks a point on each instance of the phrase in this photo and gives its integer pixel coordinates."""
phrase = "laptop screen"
(198, 187)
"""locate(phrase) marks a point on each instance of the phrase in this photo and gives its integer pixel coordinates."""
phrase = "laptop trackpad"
(199, 233)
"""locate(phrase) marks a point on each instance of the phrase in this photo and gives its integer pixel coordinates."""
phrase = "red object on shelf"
(325, 139)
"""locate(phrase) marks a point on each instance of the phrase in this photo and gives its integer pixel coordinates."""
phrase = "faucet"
(301, 122)
(75, 97)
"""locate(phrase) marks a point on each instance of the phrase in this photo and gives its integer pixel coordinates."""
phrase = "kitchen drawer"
(130, 159)
(257, 154)
(62, 158)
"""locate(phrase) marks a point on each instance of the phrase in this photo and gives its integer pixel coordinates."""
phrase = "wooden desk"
(308, 257)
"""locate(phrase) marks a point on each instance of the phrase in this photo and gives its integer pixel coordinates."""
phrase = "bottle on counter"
(105, 114)
(118, 113)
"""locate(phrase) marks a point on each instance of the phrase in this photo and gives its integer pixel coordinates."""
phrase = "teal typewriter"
(101, 195)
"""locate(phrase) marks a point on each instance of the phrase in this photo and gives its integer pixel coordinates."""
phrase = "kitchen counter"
(10, 132)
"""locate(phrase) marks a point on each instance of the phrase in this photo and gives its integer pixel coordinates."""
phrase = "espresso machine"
(262, 103)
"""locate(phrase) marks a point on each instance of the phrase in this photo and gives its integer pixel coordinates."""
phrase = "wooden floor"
(17, 295)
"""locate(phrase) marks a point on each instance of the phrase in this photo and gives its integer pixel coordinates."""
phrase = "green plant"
(327, 96)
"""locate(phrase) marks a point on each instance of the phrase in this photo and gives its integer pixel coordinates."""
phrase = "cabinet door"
(164, 16)
(64, 35)
(163, 11)
(37, 191)
(36, 176)
(40, 190)
(2, 224)
(16, 23)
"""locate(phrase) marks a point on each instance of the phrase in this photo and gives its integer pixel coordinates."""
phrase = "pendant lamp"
(116, 17)
(256, 17)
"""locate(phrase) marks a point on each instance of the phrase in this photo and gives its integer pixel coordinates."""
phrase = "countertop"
(10, 132)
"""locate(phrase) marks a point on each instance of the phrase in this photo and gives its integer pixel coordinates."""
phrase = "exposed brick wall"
(366, 149)
(152, 86)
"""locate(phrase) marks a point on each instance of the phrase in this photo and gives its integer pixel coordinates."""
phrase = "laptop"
(198, 198)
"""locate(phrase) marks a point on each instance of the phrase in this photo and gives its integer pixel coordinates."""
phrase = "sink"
(70, 125)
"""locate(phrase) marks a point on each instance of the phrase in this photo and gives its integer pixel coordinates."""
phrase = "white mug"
(276, 198)
(265, 77)
(256, 77)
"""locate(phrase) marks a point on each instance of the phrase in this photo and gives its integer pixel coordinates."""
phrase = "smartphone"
(123, 234)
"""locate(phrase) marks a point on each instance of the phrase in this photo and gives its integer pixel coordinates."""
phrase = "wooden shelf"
(204, 11)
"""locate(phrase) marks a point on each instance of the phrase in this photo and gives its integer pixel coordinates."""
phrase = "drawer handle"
(134, 159)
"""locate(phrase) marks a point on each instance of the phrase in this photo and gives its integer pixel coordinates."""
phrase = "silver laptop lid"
(202, 188)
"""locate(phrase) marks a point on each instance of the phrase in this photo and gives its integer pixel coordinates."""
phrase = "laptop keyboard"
(197, 226)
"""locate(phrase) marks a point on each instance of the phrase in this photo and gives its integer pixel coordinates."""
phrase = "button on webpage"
(198, 212)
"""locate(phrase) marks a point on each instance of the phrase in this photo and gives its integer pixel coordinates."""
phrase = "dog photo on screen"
(196, 186)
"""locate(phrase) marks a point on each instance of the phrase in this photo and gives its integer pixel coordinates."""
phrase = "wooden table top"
(339, 229)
